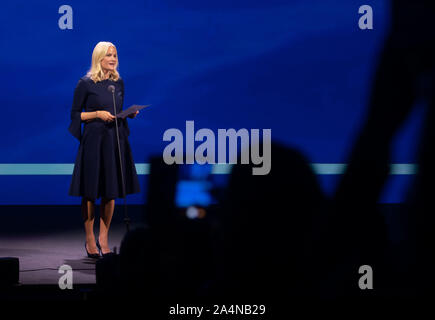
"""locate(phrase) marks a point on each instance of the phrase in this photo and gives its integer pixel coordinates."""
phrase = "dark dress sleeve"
(127, 129)
(75, 128)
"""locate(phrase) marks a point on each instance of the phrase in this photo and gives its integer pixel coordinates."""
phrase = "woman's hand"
(105, 116)
(133, 115)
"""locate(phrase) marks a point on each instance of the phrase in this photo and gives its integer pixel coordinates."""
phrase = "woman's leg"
(106, 213)
(88, 219)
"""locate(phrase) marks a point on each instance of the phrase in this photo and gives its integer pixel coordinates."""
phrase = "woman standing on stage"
(97, 171)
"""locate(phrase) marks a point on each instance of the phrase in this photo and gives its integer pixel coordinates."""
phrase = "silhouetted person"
(162, 183)
(267, 240)
(405, 73)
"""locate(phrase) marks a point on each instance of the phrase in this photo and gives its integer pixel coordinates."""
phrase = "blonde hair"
(96, 72)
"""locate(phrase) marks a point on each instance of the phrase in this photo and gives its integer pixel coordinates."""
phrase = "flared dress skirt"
(97, 168)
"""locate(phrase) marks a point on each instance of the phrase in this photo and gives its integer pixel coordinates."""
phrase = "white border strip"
(144, 168)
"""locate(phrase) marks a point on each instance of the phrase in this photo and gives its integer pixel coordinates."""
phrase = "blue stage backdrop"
(301, 68)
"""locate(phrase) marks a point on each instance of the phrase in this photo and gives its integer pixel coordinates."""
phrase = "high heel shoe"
(101, 251)
(91, 255)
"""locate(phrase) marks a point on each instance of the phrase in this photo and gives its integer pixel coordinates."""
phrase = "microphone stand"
(126, 218)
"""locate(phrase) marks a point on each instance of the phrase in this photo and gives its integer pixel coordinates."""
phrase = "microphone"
(111, 88)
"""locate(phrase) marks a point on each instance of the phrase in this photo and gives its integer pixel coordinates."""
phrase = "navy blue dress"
(97, 171)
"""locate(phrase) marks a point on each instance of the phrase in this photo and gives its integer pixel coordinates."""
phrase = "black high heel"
(101, 251)
(91, 255)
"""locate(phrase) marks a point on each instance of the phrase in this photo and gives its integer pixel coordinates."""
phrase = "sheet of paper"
(130, 110)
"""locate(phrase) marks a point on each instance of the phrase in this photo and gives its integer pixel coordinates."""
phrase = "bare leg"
(88, 219)
(106, 213)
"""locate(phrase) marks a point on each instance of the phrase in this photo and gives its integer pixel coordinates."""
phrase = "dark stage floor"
(41, 255)
(46, 237)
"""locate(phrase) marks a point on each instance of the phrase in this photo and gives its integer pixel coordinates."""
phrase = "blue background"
(301, 68)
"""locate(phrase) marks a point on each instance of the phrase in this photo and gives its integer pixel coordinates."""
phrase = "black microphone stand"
(126, 218)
